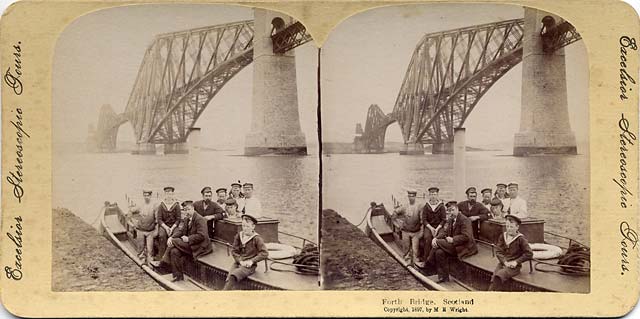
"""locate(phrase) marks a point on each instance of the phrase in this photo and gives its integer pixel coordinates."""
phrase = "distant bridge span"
(181, 72)
(448, 74)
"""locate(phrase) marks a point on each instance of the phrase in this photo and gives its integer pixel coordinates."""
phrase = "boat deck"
(211, 269)
(286, 279)
(549, 281)
(474, 272)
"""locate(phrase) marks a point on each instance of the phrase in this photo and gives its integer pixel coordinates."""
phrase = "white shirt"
(506, 203)
(518, 207)
(252, 207)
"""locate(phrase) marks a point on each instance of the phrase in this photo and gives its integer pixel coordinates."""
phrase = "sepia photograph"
(455, 151)
(185, 151)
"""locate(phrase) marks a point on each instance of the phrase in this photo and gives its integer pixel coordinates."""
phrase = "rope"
(307, 262)
(364, 217)
(575, 262)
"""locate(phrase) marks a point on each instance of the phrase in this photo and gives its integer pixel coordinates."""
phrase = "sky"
(365, 59)
(98, 56)
(363, 62)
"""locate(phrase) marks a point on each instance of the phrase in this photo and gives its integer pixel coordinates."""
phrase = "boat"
(474, 272)
(209, 272)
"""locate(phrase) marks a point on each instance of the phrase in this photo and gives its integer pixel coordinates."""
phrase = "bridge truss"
(181, 72)
(448, 74)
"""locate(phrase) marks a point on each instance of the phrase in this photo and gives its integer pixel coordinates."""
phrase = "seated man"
(222, 196)
(518, 206)
(248, 250)
(434, 216)
(486, 198)
(513, 250)
(408, 219)
(189, 240)
(501, 194)
(455, 241)
(474, 210)
(210, 210)
(144, 217)
(167, 219)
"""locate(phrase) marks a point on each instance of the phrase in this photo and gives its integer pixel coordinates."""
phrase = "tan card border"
(37, 26)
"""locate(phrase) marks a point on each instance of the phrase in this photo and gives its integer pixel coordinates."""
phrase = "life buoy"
(280, 251)
(545, 251)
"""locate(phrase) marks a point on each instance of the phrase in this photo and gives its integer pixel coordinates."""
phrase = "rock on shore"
(352, 261)
(84, 260)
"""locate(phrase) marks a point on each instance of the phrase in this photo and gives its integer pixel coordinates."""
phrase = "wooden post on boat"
(459, 165)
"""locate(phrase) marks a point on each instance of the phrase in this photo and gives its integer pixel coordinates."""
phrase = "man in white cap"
(409, 220)
(518, 205)
(252, 205)
(144, 217)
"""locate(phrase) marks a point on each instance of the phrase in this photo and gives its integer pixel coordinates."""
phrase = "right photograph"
(455, 151)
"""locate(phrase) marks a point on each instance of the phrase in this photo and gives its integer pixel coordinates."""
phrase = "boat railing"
(571, 240)
(304, 240)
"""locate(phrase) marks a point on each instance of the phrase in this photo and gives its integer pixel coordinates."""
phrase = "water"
(556, 187)
(286, 186)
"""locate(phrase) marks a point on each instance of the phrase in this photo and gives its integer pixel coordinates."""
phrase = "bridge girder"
(450, 71)
(180, 73)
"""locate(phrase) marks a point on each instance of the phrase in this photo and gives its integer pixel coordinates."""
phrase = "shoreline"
(352, 261)
(84, 260)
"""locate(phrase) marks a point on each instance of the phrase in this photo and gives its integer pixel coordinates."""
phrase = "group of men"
(185, 229)
(448, 229)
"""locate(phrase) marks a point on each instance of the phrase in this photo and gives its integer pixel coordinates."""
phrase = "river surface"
(556, 188)
(286, 186)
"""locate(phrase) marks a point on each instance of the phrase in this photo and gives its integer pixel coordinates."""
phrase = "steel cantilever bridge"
(179, 75)
(448, 74)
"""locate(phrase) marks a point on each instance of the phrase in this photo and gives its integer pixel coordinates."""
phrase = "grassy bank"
(84, 260)
(352, 261)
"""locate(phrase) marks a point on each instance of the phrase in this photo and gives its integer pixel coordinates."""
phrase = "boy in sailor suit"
(513, 250)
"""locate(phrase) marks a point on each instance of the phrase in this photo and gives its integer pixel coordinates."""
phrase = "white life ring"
(280, 251)
(545, 251)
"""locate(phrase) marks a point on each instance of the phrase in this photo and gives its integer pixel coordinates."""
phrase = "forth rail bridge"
(448, 74)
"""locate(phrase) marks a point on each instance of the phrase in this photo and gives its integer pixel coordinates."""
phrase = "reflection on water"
(556, 187)
(286, 186)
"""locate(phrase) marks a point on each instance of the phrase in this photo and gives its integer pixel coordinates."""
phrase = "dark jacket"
(436, 217)
(254, 249)
(462, 234)
(212, 209)
(475, 209)
(518, 250)
(196, 230)
(168, 215)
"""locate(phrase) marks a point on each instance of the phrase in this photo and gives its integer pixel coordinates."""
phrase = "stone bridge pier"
(544, 119)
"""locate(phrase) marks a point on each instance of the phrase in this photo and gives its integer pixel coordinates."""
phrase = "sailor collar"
(245, 239)
(433, 207)
(507, 241)
(169, 206)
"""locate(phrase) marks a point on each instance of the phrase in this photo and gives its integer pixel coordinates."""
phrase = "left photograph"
(185, 151)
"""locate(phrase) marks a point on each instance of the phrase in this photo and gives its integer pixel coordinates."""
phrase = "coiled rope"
(307, 262)
(575, 262)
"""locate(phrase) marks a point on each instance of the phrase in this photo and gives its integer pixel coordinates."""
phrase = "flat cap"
(230, 201)
(205, 189)
(247, 185)
(513, 184)
(221, 189)
(146, 192)
(486, 190)
(169, 189)
(501, 185)
(513, 218)
(187, 203)
(451, 203)
(249, 217)
(412, 191)
(433, 189)
(470, 190)
(236, 184)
